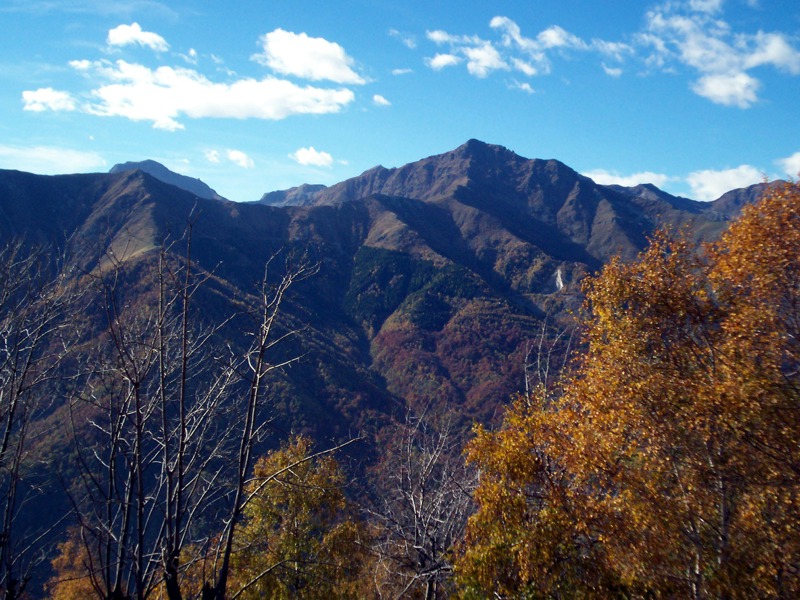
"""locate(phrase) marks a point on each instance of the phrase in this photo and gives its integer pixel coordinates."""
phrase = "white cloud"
(481, 56)
(311, 58)
(604, 177)
(772, 49)
(522, 86)
(524, 67)
(554, 36)
(707, 6)
(616, 50)
(529, 56)
(240, 158)
(408, 40)
(311, 157)
(512, 34)
(125, 35)
(730, 89)
(402, 71)
(47, 99)
(442, 37)
(212, 156)
(380, 100)
(440, 61)
(710, 185)
(483, 59)
(165, 94)
(49, 160)
(708, 45)
(190, 57)
(81, 65)
(558, 37)
(791, 164)
(677, 33)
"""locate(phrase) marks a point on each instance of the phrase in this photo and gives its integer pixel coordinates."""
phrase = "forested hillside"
(179, 373)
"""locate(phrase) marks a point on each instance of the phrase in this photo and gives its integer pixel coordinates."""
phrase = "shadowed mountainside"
(434, 277)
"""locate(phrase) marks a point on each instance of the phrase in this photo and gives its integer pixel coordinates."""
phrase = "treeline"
(663, 462)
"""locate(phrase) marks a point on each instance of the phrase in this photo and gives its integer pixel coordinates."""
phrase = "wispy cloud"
(513, 50)
(522, 86)
(49, 160)
(689, 36)
(120, 8)
(693, 35)
(481, 56)
(408, 40)
(380, 100)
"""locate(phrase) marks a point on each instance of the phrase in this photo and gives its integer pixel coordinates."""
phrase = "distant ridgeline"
(433, 276)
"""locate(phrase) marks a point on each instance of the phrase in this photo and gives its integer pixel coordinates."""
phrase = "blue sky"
(695, 96)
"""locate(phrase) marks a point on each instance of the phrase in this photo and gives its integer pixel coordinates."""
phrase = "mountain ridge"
(434, 280)
(383, 180)
(162, 173)
(444, 266)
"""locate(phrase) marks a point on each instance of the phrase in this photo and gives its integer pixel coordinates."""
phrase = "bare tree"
(541, 354)
(175, 418)
(424, 500)
(254, 370)
(34, 302)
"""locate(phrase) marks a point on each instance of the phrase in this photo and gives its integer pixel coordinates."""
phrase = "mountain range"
(434, 277)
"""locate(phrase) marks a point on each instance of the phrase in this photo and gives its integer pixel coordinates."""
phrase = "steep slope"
(435, 279)
(434, 276)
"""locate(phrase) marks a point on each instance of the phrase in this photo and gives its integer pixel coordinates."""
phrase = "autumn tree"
(667, 464)
(525, 540)
(72, 567)
(299, 537)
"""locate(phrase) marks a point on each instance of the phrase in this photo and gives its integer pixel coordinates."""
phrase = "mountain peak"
(302, 195)
(477, 147)
(162, 173)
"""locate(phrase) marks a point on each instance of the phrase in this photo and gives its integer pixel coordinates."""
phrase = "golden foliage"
(298, 539)
(669, 464)
(72, 570)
